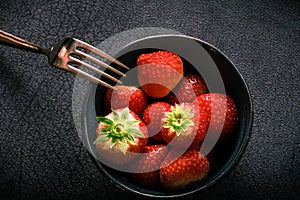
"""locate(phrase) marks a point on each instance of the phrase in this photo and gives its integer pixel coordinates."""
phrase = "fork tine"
(90, 77)
(100, 53)
(98, 62)
(94, 69)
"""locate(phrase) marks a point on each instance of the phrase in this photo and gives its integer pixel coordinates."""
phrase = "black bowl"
(220, 75)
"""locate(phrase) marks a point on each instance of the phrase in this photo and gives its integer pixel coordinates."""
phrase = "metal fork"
(66, 52)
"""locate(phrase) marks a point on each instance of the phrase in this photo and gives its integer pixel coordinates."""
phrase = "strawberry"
(221, 112)
(159, 72)
(147, 166)
(120, 136)
(176, 173)
(171, 98)
(190, 86)
(125, 96)
(184, 127)
(152, 117)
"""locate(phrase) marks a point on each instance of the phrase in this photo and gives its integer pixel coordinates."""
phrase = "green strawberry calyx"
(178, 119)
(120, 130)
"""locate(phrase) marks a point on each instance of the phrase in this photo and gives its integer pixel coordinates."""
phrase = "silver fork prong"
(90, 77)
(99, 52)
(94, 69)
(98, 62)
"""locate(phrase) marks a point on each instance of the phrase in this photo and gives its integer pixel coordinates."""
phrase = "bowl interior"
(234, 86)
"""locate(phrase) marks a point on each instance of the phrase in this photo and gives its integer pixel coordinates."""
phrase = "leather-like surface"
(41, 156)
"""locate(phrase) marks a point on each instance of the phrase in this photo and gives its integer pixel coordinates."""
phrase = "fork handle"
(14, 41)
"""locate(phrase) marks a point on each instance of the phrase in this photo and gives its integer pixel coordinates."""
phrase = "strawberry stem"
(120, 130)
(178, 119)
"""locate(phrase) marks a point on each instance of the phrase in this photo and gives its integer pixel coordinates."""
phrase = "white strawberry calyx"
(178, 119)
(119, 130)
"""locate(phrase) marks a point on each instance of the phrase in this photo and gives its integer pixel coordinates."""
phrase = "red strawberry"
(171, 98)
(177, 173)
(220, 111)
(159, 72)
(147, 166)
(152, 117)
(184, 127)
(190, 86)
(125, 96)
(120, 136)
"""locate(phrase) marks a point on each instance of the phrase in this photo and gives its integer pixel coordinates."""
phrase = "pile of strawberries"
(157, 130)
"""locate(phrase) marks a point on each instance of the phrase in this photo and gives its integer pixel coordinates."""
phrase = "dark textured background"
(41, 156)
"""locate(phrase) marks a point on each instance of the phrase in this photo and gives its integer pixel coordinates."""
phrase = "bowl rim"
(230, 164)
